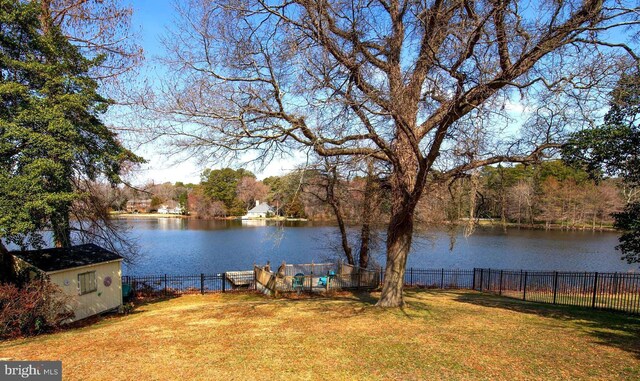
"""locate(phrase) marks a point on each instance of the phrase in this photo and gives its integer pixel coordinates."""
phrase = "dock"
(240, 279)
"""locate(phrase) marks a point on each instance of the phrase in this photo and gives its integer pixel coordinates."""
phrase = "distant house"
(139, 206)
(170, 207)
(89, 273)
(259, 211)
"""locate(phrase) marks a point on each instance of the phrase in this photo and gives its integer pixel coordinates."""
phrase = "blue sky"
(150, 19)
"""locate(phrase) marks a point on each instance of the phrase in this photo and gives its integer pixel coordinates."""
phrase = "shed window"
(87, 282)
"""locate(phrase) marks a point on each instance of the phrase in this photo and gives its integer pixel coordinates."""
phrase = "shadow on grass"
(615, 329)
(134, 302)
(361, 296)
(365, 297)
(151, 299)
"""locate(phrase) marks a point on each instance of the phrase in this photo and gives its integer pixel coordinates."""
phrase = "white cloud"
(516, 108)
(160, 168)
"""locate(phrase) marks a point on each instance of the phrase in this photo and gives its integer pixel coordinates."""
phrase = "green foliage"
(629, 221)
(614, 149)
(238, 208)
(285, 192)
(295, 208)
(560, 171)
(50, 128)
(155, 202)
(221, 185)
(183, 200)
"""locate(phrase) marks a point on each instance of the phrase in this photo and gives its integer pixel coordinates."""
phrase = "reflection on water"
(254, 222)
(177, 245)
(171, 223)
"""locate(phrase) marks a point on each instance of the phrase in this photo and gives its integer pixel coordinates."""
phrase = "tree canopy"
(422, 86)
(222, 185)
(52, 140)
(613, 148)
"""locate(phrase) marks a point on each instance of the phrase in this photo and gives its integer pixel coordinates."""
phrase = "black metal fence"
(439, 278)
(613, 291)
(189, 284)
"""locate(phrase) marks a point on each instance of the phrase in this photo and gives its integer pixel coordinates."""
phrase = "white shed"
(89, 273)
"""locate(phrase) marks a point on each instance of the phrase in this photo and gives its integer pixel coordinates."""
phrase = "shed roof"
(262, 208)
(62, 258)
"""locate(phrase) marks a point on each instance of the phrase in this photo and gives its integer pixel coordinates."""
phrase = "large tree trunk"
(407, 183)
(399, 236)
(45, 15)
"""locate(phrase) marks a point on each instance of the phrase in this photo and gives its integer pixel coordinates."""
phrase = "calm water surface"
(183, 246)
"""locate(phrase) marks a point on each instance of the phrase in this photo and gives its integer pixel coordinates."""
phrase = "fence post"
(500, 286)
(524, 287)
(595, 290)
(442, 280)
(473, 279)
(520, 284)
(555, 286)
(489, 280)
(165, 284)
(411, 277)
(202, 283)
(224, 281)
(481, 276)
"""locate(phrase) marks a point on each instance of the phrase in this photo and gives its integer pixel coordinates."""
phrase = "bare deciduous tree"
(326, 188)
(250, 190)
(522, 198)
(98, 28)
(399, 81)
(93, 224)
(354, 195)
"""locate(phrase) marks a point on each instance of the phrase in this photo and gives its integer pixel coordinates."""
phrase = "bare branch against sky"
(422, 85)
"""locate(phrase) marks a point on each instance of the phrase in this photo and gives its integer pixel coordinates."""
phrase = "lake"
(189, 246)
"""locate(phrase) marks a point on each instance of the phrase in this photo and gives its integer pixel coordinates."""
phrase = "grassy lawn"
(440, 335)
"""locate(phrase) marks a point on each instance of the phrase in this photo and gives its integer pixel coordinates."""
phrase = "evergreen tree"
(221, 185)
(613, 149)
(51, 136)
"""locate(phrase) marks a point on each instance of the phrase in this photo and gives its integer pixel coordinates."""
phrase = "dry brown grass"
(440, 335)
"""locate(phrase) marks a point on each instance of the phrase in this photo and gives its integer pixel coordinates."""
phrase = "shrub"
(36, 307)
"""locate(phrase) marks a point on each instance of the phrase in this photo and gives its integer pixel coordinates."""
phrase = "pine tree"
(52, 137)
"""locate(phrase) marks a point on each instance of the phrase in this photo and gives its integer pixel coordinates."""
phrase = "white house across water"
(89, 273)
(263, 210)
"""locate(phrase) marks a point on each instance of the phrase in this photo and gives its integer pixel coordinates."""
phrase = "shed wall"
(103, 299)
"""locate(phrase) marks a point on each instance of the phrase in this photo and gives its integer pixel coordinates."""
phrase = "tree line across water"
(549, 194)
